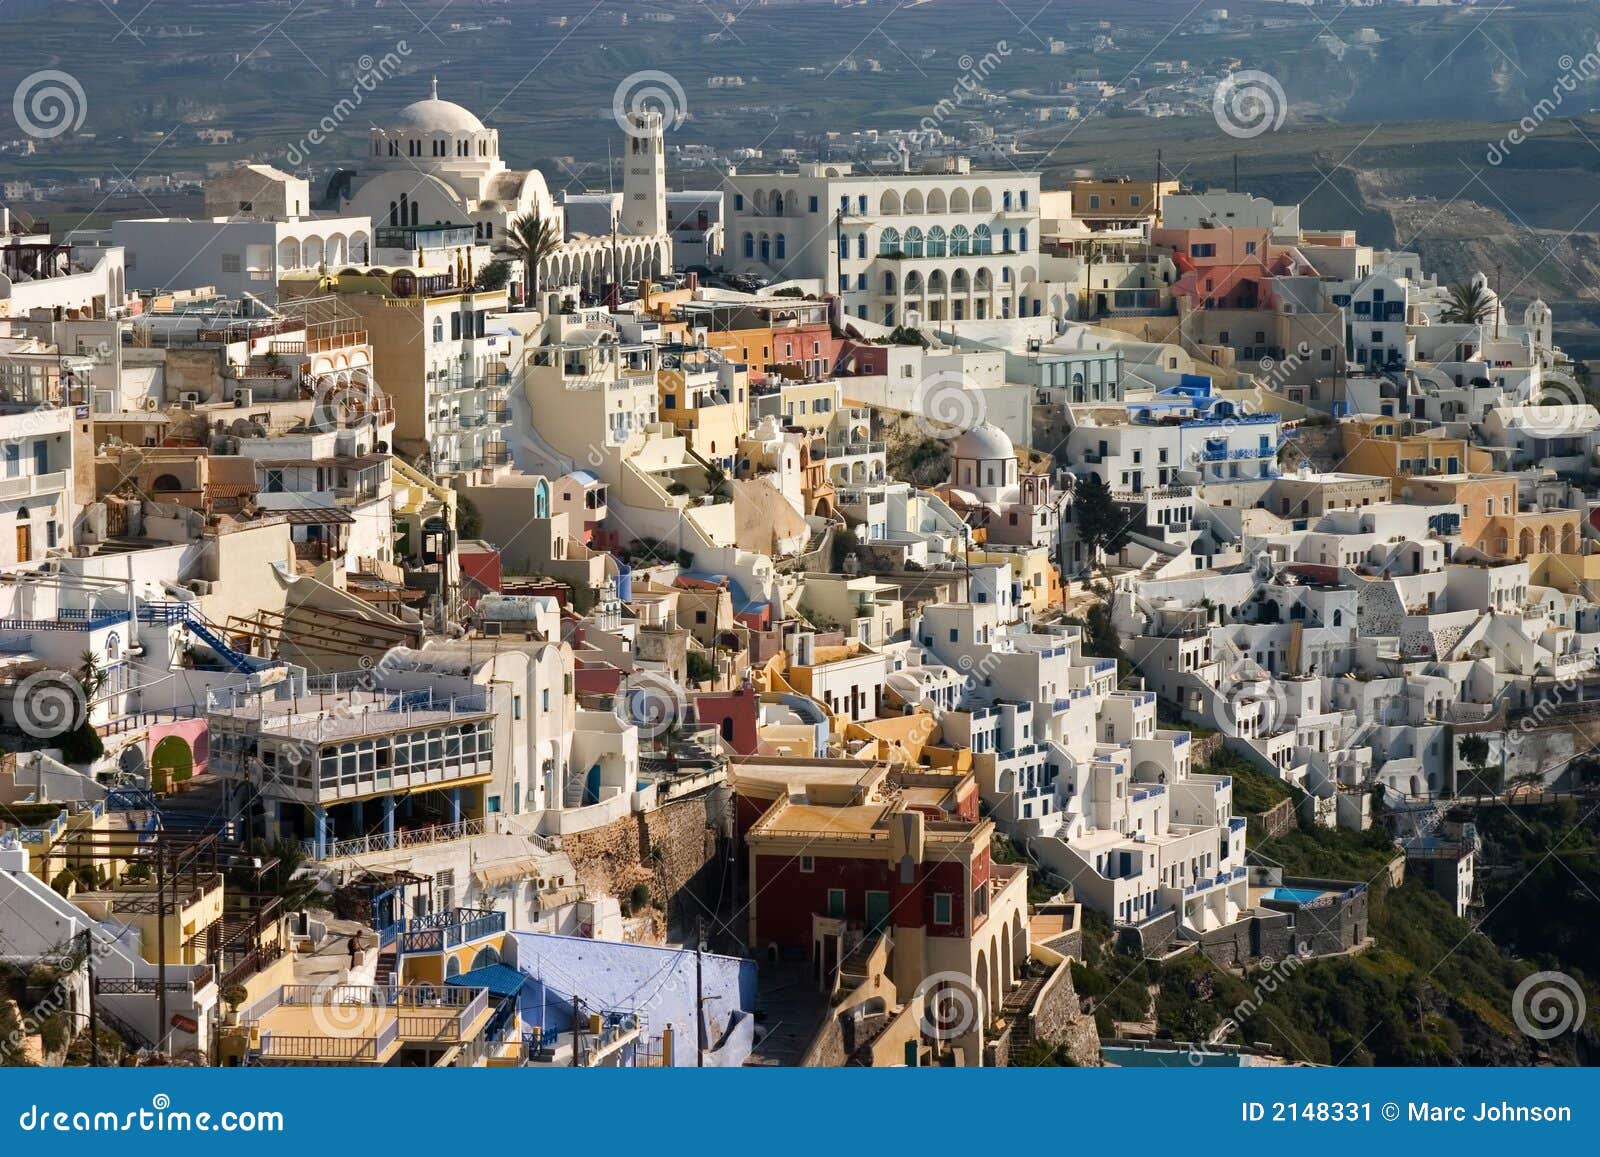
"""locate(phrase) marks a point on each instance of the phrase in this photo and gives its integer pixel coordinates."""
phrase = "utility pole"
(699, 998)
(94, 1023)
(576, 1033)
(161, 949)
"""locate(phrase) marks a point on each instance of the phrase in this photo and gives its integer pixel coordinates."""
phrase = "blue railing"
(68, 620)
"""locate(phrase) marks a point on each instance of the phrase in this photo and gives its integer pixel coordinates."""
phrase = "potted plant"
(234, 996)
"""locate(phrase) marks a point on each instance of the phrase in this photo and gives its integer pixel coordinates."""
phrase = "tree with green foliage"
(532, 238)
(1469, 304)
(1100, 524)
(1474, 752)
(469, 520)
(494, 275)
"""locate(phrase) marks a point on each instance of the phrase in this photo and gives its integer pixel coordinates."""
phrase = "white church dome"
(436, 116)
(985, 442)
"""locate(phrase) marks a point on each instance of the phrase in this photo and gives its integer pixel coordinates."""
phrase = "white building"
(436, 163)
(946, 246)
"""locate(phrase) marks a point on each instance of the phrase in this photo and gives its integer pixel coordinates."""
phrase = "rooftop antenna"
(436, 86)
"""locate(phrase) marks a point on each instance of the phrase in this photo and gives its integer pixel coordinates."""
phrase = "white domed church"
(436, 163)
(991, 491)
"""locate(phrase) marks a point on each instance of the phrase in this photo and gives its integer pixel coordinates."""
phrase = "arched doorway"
(171, 763)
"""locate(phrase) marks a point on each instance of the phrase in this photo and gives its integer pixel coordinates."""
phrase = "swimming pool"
(1295, 895)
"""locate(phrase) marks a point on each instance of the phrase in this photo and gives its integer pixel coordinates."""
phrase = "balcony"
(355, 1024)
(33, 484)
(496, 454)
(450, 929)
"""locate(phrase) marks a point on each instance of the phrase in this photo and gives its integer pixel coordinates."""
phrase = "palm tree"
(1469, 305)
(533, 239)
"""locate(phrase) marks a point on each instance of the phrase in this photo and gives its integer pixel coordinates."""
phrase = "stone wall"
(827, 1047)
(1150, 938)
(672, 850)
(1059, 1019)
(1204, 750)
(1278, 818)
(1322, 445)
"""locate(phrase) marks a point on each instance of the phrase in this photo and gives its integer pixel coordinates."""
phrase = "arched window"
(438, 329)
(749, 245)
(888, 242)
(960, 241)
(936, 241)
(1022, 240)
(888, 283)
(782, 246)
(766, 247)
(913, 246)
(861, 244)
(982, 240)
(1005, 241)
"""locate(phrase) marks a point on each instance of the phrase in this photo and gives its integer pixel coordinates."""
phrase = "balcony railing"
(383, 842)
(33, 484)
(450, 930)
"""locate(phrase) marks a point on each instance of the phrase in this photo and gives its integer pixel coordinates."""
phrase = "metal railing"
(385, 842)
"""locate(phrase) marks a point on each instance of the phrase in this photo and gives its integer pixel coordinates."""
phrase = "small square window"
(807, 864)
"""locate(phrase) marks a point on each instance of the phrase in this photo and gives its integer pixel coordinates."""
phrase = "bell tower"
(644, 175)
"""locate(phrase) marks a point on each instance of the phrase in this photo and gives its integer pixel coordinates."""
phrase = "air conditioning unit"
(151, 442)
(152, 404)
(243, 396)
(491, 630)
(199, 586)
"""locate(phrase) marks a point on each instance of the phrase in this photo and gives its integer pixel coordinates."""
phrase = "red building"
(840, 858)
